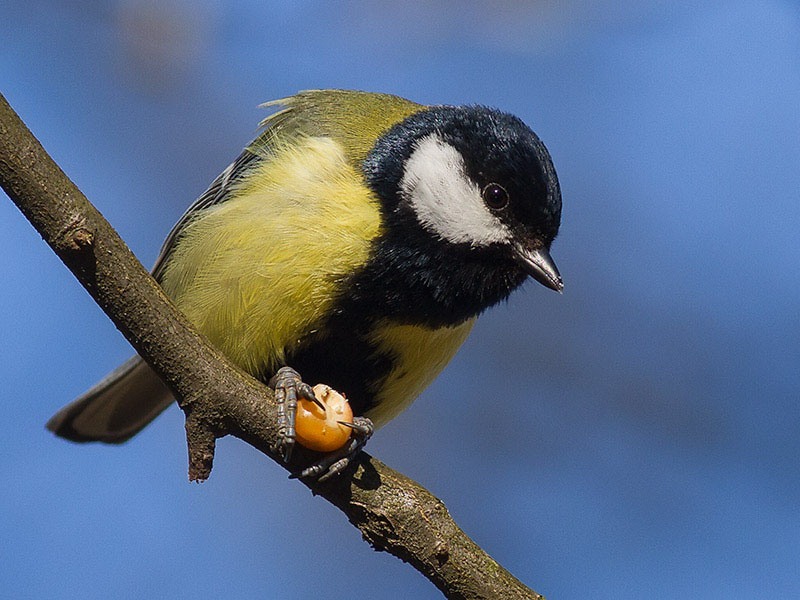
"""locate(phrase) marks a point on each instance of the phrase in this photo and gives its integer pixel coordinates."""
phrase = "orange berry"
(319, 430)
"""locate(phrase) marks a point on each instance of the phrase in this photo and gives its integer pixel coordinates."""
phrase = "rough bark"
(392, 512)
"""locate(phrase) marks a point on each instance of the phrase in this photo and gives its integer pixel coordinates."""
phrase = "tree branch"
(392, 512)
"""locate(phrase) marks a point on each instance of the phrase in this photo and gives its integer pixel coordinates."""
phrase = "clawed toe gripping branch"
(392, 512)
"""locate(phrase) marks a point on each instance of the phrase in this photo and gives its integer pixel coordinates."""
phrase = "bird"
(354, 242)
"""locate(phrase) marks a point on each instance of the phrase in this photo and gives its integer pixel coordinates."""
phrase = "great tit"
(354, 242)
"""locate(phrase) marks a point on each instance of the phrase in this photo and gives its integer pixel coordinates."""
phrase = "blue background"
(637, 437)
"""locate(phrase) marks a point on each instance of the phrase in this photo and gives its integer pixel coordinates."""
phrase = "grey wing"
(217, 192)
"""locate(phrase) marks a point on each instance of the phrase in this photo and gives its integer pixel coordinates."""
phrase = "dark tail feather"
(115, 409)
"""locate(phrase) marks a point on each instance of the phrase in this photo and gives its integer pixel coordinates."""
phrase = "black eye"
(495, 196)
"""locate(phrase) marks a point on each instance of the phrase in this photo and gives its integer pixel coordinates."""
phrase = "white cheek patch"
(445, 200)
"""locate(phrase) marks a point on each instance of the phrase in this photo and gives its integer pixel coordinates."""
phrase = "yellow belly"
(419, 354)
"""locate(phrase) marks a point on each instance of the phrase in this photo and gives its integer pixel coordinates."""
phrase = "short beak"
(538, 264)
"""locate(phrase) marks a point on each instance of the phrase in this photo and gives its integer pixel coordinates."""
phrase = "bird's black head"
(474, 190)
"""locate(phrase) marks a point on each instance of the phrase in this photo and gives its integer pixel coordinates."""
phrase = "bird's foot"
(337, 461)
(289, 387)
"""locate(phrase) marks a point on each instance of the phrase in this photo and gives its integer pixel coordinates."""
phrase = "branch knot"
(76, 236)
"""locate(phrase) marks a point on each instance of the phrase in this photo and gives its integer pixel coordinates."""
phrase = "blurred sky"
(637, 437)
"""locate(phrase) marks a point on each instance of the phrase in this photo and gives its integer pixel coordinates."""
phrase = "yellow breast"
(419, 354)
(260, 270)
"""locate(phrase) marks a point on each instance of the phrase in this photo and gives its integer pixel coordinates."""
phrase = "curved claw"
(337, 461)
(360, 428)
(307, 393)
